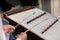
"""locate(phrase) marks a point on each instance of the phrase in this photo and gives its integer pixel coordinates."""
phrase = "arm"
(8, 29)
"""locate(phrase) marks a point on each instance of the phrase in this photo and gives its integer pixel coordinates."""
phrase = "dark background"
(6, 5)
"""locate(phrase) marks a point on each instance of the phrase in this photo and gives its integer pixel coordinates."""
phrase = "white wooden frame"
(55, 10)
(55, 7)
(40, 5)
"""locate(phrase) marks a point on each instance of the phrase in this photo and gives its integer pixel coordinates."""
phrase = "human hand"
(22, 36)
(8, 29)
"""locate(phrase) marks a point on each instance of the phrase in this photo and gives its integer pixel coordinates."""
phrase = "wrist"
(18, 39)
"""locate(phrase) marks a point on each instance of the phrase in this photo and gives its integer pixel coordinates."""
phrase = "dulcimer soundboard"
(40, 22)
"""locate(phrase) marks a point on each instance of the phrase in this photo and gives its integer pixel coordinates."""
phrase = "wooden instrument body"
(39, 22)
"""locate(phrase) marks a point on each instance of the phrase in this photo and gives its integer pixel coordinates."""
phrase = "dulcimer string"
(27, 29)
(30, 28)
(35, 25)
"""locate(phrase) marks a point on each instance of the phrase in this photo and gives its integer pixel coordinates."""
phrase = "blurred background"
(51, 6)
